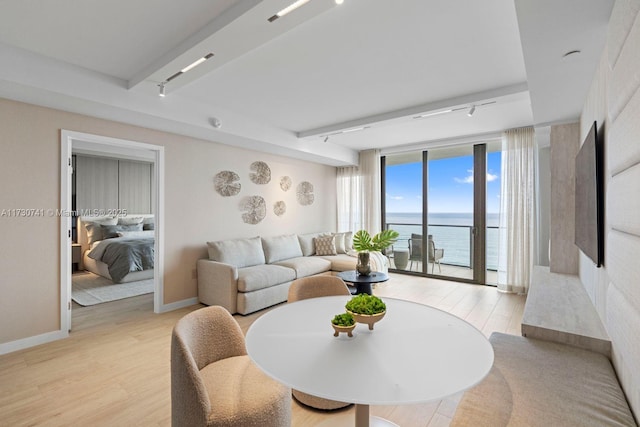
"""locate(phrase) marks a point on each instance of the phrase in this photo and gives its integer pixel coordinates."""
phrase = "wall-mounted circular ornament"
(285, 183)
(226, 183)
(304, 193)
(255, 209)
(279, 208)
(261, 173)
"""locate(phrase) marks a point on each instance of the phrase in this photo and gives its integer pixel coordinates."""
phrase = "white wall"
(194, 212)
(614, 102)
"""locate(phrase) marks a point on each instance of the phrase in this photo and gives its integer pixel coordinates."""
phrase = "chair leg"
(439, 267)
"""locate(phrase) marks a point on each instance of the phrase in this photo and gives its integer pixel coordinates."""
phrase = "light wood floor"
(114, 368)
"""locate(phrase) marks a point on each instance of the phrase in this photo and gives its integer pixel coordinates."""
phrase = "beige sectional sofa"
(247, 275)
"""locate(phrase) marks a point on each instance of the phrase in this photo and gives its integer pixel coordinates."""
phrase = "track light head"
(471, 111)
(161, 86)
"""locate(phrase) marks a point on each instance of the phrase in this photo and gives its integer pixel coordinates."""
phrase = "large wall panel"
(96, 183)
(134, 187)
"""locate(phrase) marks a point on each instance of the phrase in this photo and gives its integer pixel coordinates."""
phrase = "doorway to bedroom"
(110, 215)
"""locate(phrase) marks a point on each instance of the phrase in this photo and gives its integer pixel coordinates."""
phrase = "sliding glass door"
(437, 201)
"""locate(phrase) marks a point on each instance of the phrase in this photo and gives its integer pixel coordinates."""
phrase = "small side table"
(362, 283)
(76, 255)
(401, 258)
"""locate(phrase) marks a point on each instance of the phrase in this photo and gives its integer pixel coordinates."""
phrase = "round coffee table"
(362, 283)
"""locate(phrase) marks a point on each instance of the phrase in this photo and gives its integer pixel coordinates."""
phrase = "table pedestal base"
(362, 419)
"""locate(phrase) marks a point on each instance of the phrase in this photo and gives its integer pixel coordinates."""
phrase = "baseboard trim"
(21, 344)
(178, 304)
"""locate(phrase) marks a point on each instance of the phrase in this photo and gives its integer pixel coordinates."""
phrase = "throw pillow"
(340, 243)
(325, 245)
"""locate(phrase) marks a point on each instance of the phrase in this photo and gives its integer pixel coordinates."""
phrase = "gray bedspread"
(123, 256)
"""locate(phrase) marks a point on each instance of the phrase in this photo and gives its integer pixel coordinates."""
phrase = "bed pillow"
(94, 229)
(325, 245)
(111, 231)
(130, 220)
(137, 234)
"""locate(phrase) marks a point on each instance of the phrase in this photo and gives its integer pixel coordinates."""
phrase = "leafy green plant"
(362, 240)
(344, 319)
(366, 304)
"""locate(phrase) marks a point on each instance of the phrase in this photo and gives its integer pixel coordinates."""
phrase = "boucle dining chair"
(214, 382)
(314, 287)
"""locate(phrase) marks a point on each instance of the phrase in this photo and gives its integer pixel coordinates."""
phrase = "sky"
(450, 185)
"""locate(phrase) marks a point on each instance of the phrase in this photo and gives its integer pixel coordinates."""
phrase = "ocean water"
(451, 231)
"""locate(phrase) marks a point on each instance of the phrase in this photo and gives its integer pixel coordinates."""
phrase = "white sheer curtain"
(358, 192)
(517, 213)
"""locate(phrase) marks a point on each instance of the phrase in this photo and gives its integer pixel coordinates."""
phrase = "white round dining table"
(415, 354)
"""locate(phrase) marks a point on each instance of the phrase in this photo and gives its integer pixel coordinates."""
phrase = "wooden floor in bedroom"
(114, 368)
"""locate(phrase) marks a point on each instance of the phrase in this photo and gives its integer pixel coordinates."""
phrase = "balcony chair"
(435, 255)
(313, 287)
(415, 252)
(213, 381)
(415, 249)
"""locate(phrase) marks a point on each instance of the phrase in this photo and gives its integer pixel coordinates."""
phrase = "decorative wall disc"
(255, 209)
(226, 183)
(285, 183)
(304, 193)
(261, 174)
(279, 208)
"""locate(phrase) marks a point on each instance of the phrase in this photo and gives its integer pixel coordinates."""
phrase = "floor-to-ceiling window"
(445, 204)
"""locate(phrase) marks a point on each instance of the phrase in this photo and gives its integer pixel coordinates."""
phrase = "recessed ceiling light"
(293, 6)
(339, 1)
(190, 66)
(421, 116)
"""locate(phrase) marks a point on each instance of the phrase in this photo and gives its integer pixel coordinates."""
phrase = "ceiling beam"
(193, 42)
(469, 99)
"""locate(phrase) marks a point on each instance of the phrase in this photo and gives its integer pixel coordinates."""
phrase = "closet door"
(135, 187)
(96, 183)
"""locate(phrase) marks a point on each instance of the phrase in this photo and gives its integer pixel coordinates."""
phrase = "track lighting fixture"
(471, 111)
(326, 138)
(161, 86)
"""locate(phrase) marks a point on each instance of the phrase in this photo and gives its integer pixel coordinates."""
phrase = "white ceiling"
(284, 86)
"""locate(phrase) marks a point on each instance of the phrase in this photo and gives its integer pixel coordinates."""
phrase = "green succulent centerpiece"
(363, 243)
(344, 319)
(366, 309)
(343, 322)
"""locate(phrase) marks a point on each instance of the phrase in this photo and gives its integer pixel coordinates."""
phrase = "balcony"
(456, 240)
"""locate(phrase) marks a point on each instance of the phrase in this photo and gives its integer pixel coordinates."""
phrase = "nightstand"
(76, 255)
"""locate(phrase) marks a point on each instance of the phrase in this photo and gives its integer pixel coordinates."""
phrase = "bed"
(109, 244)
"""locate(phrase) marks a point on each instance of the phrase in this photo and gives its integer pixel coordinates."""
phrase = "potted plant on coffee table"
(363, 243)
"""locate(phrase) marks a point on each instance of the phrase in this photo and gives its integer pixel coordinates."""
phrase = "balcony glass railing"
(454, 239)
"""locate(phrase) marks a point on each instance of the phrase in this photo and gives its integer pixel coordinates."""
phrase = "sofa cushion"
(281, 247)
(306, 266)
(238, 252)
(306, 243)
(341, 262)
(540, 383)
(344, 242)
(325, 245)
(263, 276)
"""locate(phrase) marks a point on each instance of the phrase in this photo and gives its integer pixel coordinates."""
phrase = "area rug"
(90, 289)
